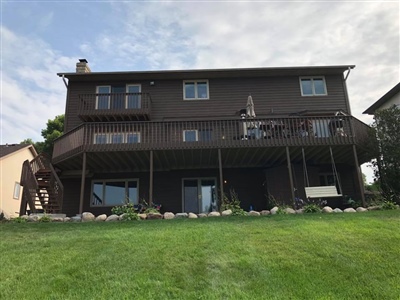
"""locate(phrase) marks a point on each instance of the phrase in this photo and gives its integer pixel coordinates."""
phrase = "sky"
(42, 38)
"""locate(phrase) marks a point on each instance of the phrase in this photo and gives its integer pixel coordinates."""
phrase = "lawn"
(316, 256)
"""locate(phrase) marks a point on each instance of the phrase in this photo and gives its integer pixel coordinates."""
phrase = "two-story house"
(183, 138)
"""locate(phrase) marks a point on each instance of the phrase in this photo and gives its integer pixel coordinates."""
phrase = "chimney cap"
(83, 60)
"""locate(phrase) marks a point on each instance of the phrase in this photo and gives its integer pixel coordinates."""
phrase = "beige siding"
(11, 167)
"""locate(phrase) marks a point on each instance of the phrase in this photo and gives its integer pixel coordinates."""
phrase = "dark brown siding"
(271, 95)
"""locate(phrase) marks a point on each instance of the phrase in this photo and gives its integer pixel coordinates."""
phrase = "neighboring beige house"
(389, 99)
(11, 160)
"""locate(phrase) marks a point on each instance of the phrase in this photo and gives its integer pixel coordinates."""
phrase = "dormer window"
(195, 90)
(313, 86)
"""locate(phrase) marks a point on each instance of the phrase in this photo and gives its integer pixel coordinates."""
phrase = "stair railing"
(30, 184)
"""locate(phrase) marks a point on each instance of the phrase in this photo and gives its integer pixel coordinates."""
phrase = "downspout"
(347, 75)
(66, 84)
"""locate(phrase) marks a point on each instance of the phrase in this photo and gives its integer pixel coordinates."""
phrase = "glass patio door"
(199, 195)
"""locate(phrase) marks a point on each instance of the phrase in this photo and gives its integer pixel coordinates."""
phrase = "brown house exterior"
(182, 138)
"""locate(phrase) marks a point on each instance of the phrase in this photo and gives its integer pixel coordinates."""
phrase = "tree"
(387, 166)
(54, 129)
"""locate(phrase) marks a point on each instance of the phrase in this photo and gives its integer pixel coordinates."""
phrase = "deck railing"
(114, 104)
(266, 132)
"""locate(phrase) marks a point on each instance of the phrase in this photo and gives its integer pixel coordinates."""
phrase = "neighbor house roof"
(8, 149)
(371, 110)
(208, 73)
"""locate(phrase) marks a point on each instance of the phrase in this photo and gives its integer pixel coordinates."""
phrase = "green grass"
(317, 256)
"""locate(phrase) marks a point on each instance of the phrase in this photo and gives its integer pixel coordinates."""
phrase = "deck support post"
(151, 179)
(359, 177)
(289, 166)
(82, 183)
(221, 179)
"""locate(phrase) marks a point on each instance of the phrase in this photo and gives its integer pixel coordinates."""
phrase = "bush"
(387, 205)
(130, 216)
(233, 204)
(18, 220)
(45, 219)
(311, 208)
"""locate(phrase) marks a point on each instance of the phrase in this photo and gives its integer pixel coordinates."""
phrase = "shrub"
(18, 220)
(130, 216)
(45, 219)
(387, 205)
(233, 204)
(311, 208)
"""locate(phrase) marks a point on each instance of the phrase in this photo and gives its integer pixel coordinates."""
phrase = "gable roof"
(371, 110)
(209, 73)
(9, 149)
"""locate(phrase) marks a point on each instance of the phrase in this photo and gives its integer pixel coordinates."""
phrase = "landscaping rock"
(214, 214)
(254, 213)
(289, 210)
(337, 210)
(57, 219)
(88, 217)
(67, 219)
(192, 216)
(142, 216)
(202, 215)
(227, 212)
(350, 210)
(299, 211)
(361, 209)
(22, 217)
(265, 212)
(121, 217)
(376, 207)
(76, 219)
(101, 218)
(112, 218)
(33, 218)
(327, 209)
(169, 216)
(181, 215)
(274, 210)
(154, 216)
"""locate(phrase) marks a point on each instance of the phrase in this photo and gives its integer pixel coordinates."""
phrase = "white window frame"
(109, 137)
(97, 96)
(195, 130)
(311, 78)
(196, 96)
(103, 181)
(140, 96)
(17, 190)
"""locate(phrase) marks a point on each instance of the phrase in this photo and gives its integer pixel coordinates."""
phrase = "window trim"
(126, 180)
(312, 86)
(97, 96)
(17, 190)
(140, 96)
(195, 130)
(110, 134)
(196, 97)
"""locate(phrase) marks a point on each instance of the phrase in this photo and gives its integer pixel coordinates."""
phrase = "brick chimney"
(82, 66)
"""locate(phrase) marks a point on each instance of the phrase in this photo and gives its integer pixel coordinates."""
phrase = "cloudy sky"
(41, 38)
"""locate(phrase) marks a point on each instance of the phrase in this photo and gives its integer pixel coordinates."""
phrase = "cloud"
(31, 91)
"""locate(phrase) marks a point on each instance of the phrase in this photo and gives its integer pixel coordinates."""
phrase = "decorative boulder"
(101, 218)
(57, 219)
(374, 207)
(299, 211)
(290, 210)
(361, 209)
(202, 215)
(154, 216)
(227, 212)
(33, 218)
(88, 217)
(67, 219)
(169, 216)
(22, 217)
(350, 210)
(181, 215)
(192, 216)
(142, 216)
(214, 214)
(254, 213)
(274, 210)
(337, 210)
(76, 219)
(121, 217)
(112, 218)
(327, 209)
(265, 212)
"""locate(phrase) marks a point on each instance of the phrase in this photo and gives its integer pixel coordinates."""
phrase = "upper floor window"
(194, 135)
(117, 138)
(195, 90)
(103, 97)
(313, 86)
(119, 97)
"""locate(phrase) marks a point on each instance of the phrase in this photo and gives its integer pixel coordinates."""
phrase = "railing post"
(82, 183)
(151, 180)
(359, 177)
(289, 166)
(221, 179)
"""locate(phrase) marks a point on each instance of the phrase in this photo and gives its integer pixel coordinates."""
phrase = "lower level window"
(114, 192)
(17, 189)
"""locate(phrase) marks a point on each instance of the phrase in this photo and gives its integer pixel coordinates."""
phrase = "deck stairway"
(43, 190)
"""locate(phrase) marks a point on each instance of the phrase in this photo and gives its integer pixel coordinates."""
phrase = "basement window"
(114, 192)
(313, 86)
